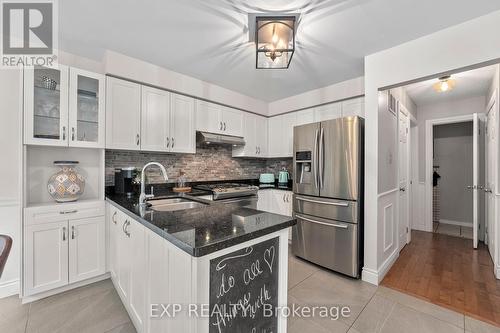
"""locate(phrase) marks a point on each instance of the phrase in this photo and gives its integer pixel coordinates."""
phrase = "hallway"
(446, 271)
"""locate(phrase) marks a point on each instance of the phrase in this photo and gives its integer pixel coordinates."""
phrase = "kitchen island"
(212, 268)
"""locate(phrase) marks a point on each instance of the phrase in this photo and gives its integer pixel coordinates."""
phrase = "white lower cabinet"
(63, 246)
(277, 202)
(136, 244)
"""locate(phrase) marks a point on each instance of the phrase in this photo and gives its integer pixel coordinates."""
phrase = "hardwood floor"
(447, 271)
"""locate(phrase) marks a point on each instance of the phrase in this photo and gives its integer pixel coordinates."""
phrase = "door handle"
(322, 157)
(72, 134)
(168, 142)
(488, 190)
(137, 139)
(173, 142)
(284, 197)
(341, 226)
(64, 133)
(256, 150)
(224, 126)
(64, 234)
(113, 217)
(402, 189)
(64, 212)
(317, 160)
(259, 150)
(72, 232)
(126, 229)
(220, 125)
(341, 204)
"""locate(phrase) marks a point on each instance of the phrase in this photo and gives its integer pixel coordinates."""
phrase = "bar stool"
(5, 246)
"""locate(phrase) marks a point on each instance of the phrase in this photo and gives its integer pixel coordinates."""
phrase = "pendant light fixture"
(274, 41)
(445, 84)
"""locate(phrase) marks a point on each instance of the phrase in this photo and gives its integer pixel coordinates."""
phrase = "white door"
(113, 240)
(208, 117)
(490, 181)
(305, 117)
(328, 111)
(124, 252)
(155, 119)
(232, 121)
(46, 257)
(138, 269)
(478, 141)
(46, 106)
(123, 114)
(182, 124)
(87, 253)
(403, 157)
(260, 135)
(86, 109)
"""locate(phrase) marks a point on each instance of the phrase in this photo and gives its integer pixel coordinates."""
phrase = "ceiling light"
(274, 41)
(445, 84)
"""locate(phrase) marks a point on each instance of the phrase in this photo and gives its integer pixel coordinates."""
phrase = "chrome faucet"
(143, 197)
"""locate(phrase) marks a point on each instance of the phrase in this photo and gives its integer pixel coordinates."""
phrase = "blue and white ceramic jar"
(67, 184)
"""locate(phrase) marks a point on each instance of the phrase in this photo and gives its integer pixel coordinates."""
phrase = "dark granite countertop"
(201, 231)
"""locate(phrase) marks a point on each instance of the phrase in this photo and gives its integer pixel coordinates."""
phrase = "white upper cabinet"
(232, 121)
(63, 107)
(218, 119)
(155, 120)
(353, 107)
(280, 135)
(327, 112)
(255, 135)
(305, 117)
(182, 124)
(208, 117)
(123, 114)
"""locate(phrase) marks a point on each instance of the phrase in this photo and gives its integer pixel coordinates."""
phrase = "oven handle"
(341, 204)
(341, 226)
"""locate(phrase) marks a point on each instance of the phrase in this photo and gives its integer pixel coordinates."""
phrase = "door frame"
(429, 152)
(403, 109)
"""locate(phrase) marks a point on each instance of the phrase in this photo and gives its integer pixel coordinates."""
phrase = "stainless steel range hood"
(206, 138)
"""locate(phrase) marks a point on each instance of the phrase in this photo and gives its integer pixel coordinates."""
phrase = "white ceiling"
(471, 83)
(208, 39)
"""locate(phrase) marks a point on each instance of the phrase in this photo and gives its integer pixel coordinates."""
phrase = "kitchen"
(145, 182)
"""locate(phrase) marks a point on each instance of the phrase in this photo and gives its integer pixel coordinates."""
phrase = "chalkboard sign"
(242, 285)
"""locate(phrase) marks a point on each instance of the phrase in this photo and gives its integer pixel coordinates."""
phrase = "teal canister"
(283, 176)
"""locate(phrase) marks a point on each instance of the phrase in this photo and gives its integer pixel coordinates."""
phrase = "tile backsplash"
(209, 163)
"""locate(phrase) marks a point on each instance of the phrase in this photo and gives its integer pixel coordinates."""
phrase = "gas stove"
(229, 190)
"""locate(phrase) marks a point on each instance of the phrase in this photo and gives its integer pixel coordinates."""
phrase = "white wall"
(467, 44)
(335, 92)
(458, 107)
(10, 169)
(453, 155)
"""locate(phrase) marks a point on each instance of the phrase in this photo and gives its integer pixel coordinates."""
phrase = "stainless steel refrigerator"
(328, 193)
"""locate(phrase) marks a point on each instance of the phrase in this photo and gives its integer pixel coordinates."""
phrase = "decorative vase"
(67, 184)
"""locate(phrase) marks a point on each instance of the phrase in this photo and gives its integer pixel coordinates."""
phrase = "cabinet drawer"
(69, 211)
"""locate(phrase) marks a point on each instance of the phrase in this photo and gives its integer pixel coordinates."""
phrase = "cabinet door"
(123, 114)
(275, 137)
(328, 111)
(250, 149)
(208, 117)
(155, 119)
(46, 257)
(138, 269)
(123, 254)
(305, 117)
(86, 248)
(182, 125)
(261, 135)
(353, 107)
(289, 121)
(86, 109)
(113, 240)
(46, 106)
(232, 122)
(263, 202)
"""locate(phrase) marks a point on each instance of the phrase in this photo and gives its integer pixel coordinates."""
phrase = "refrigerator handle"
(316, 160)
(321, 156)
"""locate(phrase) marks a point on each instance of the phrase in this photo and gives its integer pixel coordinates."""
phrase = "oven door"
(328, 243)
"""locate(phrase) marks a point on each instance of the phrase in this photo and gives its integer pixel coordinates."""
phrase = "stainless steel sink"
(169, 205)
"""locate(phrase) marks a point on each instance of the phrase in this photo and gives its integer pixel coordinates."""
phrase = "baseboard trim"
(9, 288)
(387, 264)
(36, 297)
(369, 275)
(462, 224)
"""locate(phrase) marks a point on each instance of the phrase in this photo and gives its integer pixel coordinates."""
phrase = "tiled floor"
(452, 230)
(97, 308)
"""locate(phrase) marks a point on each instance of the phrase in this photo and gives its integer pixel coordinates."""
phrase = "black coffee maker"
(123, 180)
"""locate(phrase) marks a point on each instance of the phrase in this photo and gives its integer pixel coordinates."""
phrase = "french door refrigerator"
(328, 193)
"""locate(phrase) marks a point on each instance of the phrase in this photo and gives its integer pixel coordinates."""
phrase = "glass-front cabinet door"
(86, 109)
(46, 106)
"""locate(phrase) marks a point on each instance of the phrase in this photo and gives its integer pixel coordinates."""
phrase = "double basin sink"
(173, 204)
